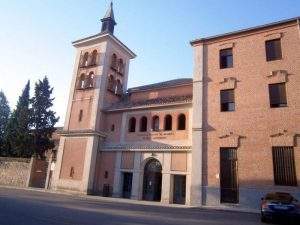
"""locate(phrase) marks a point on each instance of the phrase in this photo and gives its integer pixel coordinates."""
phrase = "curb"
(134, 202)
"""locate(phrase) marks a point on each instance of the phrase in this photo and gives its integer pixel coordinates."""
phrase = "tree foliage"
(43, 118)
(18, 134)
(4, 116)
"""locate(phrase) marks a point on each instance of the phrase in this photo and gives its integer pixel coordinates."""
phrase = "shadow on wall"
(249, 196)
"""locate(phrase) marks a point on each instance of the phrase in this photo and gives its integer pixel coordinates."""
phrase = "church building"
(132, 143)
(216, 138)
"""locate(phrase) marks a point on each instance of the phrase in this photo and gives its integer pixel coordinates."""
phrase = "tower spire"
(108, 21)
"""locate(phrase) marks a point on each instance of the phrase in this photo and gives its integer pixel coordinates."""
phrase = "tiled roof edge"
(199, 40)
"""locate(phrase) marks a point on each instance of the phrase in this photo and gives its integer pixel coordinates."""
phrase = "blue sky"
(36, 36)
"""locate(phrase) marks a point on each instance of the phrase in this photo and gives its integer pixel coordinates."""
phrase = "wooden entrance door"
(152, 181)
(127, 185)
(228, 175)
(179, 189)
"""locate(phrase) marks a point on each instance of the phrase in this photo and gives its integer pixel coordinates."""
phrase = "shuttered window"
(277, 95)
(284, 166)
(273, 50)
(227, 100)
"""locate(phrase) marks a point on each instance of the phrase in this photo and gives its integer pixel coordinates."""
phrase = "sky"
(36, 36)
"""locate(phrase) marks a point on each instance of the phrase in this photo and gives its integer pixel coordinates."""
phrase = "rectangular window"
(284, 166)
(226, 58)
(273, 50)
(227, 100)
(277, 95)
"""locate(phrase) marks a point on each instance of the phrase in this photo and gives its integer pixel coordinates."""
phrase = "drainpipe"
(298, 22)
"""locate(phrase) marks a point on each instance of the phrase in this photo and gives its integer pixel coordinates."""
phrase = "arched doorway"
(152, 181)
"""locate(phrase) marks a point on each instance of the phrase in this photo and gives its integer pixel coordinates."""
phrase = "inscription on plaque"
(156, 135)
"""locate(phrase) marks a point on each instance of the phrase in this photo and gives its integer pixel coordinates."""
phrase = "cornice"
(81, 133)
(144, 147)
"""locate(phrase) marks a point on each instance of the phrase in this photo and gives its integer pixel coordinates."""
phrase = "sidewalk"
(135, 202)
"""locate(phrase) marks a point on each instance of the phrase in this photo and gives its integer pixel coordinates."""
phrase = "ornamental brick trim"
(227, 45)
(230, 140)
(273, 36)
(284, 138)
(145, 147)
(228, 83)
(126, 104)
(277, 76)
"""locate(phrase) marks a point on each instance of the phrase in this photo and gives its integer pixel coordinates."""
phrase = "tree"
(4, 116)
(18, 133)
(43, 117)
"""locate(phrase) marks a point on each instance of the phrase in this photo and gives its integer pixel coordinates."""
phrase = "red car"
(280, 206)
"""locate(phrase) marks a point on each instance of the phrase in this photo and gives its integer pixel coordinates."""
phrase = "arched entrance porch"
(152, 180)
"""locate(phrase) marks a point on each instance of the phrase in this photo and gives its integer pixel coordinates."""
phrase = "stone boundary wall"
(14, 171)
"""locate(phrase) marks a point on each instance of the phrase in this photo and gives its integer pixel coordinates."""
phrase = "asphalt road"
(23, 207)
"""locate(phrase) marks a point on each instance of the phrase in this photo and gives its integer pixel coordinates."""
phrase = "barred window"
(284, 166)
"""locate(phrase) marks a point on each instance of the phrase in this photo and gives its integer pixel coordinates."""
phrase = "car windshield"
(280, 197)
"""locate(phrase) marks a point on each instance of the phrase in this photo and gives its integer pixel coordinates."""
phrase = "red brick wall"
(105, 162)
(73, 157)
(253, 118)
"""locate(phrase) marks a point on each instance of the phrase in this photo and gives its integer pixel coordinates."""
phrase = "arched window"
(114, 61)
(168, 122)
(81, 82)
(181, 122)
(94, 58)
(120, 66)
(89, 82)
(85, 59)
(110, 85)
(155, 123)
(131, 125)
(118, 88)
(143, 124)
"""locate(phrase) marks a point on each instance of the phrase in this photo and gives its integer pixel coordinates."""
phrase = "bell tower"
(100, 77)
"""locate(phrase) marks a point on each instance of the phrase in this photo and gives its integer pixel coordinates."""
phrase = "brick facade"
(141, 142)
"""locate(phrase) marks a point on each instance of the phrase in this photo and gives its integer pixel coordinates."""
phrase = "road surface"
(23, 207)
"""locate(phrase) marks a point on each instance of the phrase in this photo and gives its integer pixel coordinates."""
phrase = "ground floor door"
(179, 189)
(228, 175)
(127, 185)
(152, 181)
